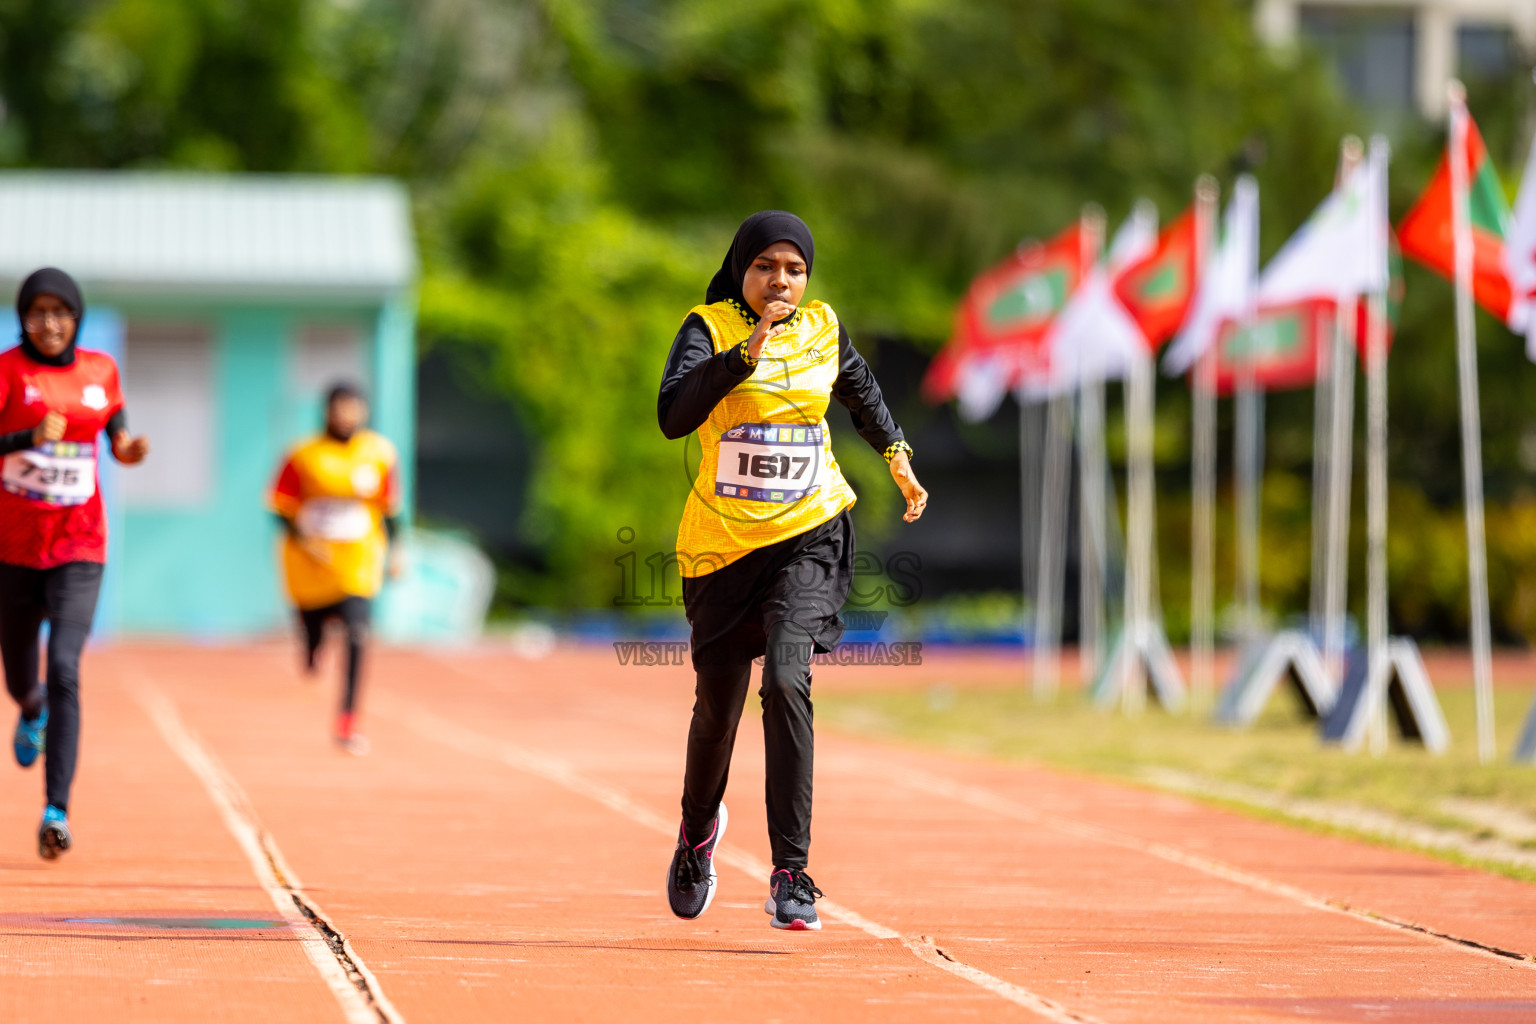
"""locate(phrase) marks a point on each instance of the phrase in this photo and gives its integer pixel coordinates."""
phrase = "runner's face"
(345, 416)
(50, 324)
(777, 275)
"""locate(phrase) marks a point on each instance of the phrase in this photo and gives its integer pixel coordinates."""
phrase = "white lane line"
(926, 950)
(357, 991)
(427, 724)
(986, 800)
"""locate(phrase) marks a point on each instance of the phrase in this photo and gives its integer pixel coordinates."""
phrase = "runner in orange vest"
(338, 497)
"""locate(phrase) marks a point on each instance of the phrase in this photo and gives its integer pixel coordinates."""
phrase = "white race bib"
(769, 462)
(334, 519)
(56, 472)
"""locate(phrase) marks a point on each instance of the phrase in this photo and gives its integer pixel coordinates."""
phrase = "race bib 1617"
(769, 461)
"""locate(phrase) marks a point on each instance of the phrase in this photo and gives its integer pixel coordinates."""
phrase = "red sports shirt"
(35, 531)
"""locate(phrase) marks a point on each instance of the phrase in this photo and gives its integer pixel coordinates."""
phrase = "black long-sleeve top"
(19, 440)
(697, 378)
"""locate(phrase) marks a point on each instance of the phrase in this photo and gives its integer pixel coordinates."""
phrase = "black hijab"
(757, 233)
(49, 281)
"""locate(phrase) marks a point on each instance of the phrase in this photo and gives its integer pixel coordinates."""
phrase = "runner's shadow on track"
(560, 944)
(150, 886)
(182, 935)
(148, 926)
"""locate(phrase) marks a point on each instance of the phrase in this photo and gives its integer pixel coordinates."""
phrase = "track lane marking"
(434, 727)
(986, 800)
(357, 991)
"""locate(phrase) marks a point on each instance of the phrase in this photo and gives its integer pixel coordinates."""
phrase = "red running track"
(501, 854)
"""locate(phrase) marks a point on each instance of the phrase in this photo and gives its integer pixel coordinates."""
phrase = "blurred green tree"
(579, 166)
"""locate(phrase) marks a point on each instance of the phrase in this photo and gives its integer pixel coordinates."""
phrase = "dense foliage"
(579, 165)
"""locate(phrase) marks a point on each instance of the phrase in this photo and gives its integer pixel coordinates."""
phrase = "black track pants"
(720, 693)
(64, 596)
(354, 613)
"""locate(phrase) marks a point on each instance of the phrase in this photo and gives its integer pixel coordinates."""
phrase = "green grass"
(1280, 754)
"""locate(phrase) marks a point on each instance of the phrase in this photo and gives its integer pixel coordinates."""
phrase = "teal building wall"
(210, 571)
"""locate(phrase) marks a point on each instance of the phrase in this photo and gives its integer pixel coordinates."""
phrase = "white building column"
(1275, 21)
(1435, 45)
(1522, 18)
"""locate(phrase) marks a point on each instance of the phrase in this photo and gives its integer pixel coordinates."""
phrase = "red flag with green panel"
(1282, 344)
(1003, 318)
(1425, 233)
(1157, 291)
(1284, 340)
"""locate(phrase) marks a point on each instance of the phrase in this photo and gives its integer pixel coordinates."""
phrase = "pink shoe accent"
(713, 829)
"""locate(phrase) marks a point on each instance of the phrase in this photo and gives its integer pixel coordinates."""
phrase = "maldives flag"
(1002, 320)
(1158, 289)
(1426, 233)
(1282, 344)
(1284, 340)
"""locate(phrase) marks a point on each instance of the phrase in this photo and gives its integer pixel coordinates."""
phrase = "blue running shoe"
(53, 835)
(28, 741)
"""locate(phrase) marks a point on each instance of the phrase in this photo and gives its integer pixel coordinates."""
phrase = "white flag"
(1095, 338)
(1340, 253)
(1227, 283)
(980, 387)
(1520, 258)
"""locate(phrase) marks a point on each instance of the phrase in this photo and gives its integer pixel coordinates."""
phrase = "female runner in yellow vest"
(766, 545)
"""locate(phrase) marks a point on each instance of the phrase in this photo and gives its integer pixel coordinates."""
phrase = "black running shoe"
(691, 878)
(792, 901)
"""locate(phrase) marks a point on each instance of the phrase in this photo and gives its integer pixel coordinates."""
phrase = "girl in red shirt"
(55, 401)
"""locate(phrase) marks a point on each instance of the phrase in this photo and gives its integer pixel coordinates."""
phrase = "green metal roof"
(170, 233)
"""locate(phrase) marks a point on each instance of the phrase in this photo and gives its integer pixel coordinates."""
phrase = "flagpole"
(1322, 451)
(1341, 466)
(1340, 460)
(1202, 624)
(1031, 468)
(1377, 629)
(1471, 422)
(1245, 455)
(1322, 442)
(1245, 459)
(1091, 513)
(1140, 525)
(1520, 265)
(1053, 529)
(1091, 527)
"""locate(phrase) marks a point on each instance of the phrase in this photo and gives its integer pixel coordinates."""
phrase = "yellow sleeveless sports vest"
(767, 471)
(337, 493)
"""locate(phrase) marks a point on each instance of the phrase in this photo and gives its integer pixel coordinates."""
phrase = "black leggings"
(64, 596)
(720, 693)
(354, 612)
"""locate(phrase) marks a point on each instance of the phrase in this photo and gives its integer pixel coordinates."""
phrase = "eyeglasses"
(37, 321)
